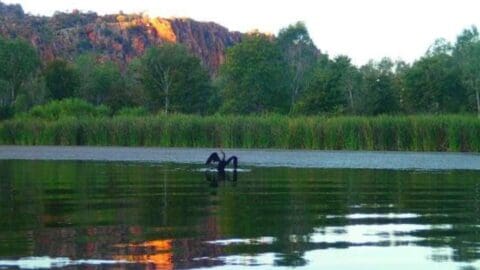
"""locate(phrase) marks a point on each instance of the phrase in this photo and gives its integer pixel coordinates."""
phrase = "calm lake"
(147, 208)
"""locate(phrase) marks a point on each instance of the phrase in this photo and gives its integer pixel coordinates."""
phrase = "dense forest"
(283, 74)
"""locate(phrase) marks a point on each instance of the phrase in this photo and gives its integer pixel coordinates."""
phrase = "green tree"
(6, 111)
(401, 68)
(101, 82)
(33, 92)
(433, 85)
(379, 94)
(87, 65)
(300, 54)
(175, 80)
(61, 79)
(254, 77)
(133, 84)
(348, 81)
(440, 46)
(18, 63)
(110, 85)
(467, 55)
(324, 91)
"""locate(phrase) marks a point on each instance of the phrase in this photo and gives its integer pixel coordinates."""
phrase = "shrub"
(76, 108)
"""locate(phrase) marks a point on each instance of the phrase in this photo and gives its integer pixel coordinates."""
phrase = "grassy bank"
(404, 133)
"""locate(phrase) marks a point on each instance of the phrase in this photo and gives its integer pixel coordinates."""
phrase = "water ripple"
(47, 262)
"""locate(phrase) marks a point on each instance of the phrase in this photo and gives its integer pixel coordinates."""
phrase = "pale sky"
(361, 29)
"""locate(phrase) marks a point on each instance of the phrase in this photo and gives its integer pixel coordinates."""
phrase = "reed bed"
(454, 133)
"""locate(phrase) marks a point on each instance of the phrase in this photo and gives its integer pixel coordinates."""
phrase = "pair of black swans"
(221, 163)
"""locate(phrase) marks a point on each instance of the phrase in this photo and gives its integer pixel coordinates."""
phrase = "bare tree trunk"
(294, 98)
(350, 94)
(167, 82)
(296, 88)
(163, 81)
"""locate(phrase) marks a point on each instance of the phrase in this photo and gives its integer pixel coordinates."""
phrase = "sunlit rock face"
(120, 37)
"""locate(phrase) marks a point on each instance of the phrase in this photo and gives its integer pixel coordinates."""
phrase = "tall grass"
(398, 133)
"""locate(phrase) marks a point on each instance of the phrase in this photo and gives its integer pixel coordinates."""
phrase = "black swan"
(222, 163)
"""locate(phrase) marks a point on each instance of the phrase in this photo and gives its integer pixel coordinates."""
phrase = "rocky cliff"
(119, 37)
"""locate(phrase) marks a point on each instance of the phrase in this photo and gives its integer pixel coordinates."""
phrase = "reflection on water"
(137, 216)
(48, 263)
(156, 252)
(216, 178)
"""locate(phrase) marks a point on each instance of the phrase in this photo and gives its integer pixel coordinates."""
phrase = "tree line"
(285, 74)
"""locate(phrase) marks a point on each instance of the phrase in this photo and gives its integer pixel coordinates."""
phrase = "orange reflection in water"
(157, 254)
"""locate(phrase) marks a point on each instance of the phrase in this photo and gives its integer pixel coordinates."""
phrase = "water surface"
(150, 215)
(264, 158)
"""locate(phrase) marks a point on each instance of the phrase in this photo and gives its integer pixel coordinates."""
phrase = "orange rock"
(118, 37)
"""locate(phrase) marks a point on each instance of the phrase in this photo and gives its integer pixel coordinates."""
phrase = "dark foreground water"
(148, 215)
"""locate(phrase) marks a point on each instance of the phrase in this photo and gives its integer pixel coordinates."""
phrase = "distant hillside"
(119, 37)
